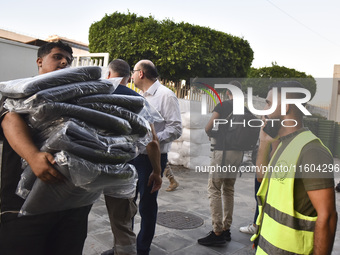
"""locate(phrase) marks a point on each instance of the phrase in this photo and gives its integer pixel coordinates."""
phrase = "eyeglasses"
(135, 70)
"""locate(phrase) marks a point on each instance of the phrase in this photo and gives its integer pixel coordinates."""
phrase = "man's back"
(123, 90)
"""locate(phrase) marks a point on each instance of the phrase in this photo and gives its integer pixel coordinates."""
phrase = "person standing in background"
(166, 103)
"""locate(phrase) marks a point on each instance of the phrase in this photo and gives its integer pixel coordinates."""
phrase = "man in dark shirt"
(57, 233)
(221, 184)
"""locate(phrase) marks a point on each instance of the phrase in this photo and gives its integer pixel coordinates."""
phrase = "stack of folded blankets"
(91, 132)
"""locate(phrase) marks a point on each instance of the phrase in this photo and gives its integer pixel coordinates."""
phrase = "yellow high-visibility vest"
(282, 230)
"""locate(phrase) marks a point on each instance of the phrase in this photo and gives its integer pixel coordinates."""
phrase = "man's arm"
(154, 154)
(210, 124)
(323, 201)
(19, 138)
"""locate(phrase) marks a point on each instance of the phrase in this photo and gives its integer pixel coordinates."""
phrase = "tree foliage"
(179, 50)
(259, 79)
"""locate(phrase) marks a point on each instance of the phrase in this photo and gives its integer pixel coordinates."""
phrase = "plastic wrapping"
(131, 103)
(28, 86)
(138, 124)
(53, 111)
(92, 177)
(60, 94)
(87, 144)
(147, 111)
(26, 182)
(150, 113)
(83, 185)
(45, 197)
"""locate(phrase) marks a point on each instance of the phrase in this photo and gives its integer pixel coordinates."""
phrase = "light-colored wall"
(17, 60)
(334, 113)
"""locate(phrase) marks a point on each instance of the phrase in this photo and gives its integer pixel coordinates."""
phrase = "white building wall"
(334, 113)
(17, 60)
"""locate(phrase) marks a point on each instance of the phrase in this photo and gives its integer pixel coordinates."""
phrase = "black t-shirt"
(224, 111)
(10, 175)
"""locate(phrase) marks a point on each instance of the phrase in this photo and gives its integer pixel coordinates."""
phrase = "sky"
(297, 34)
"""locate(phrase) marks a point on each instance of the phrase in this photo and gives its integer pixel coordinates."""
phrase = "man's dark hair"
(288, 84)
(149, 70)
(46, 48)
(235, 83)
(120, 67)
(291, 95)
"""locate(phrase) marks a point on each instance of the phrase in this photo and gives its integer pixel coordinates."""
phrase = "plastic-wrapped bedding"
(42, 197)
(87, 144)
(28, 86)
(92, 177)
(59, 94)
(132, 103)
(138, 124)
(53, 111)
(83, 185)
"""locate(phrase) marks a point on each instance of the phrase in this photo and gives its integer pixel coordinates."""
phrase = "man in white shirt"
(165, 102)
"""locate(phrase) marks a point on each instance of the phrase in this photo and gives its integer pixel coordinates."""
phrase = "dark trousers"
(57, 233)
(148, 206)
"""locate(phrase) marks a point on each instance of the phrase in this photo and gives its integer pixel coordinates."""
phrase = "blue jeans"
(148, 206)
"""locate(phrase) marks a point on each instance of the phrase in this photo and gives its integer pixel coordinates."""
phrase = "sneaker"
(109, 252)
(212, 239)
(227, 235)
(250, 229)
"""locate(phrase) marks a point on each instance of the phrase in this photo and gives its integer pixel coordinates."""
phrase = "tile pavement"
(191, 197)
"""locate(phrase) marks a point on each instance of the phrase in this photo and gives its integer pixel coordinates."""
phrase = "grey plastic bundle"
(86, 143)
(53, 111)
(28, 86)
(91, 132)
(61, 93)
(82, 186)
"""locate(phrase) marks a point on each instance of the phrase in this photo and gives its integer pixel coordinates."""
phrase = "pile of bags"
(91, 132)
(192, 149)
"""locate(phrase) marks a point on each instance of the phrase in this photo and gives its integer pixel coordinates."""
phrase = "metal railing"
(91, 59)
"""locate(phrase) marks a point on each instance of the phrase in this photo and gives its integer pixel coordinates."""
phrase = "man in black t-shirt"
(222, 180)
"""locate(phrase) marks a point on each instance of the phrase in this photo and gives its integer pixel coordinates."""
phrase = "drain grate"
(178, 220)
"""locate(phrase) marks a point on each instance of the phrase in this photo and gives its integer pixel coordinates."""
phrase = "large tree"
(179, 50)
(260, 78)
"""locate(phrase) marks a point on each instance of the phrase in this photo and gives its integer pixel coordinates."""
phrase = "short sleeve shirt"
(224, 111)
(313, 154)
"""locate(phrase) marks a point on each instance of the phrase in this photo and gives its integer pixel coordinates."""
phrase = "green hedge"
(179, 50)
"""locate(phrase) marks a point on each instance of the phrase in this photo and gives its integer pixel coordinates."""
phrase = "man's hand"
(42, 166)
(156, 181)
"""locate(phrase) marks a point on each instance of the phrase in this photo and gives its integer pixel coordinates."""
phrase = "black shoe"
(212, 239)
(226, 234)
(337, 187)
(109, 252)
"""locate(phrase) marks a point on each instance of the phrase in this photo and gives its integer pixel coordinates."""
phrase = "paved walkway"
(191, 197)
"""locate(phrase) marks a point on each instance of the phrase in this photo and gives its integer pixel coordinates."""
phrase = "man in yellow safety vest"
(296, 197)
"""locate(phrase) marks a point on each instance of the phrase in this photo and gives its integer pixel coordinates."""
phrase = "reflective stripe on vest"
(282, 229)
